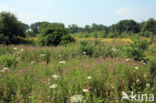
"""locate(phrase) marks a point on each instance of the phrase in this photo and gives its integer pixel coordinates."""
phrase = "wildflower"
(114, 49)
(2, 70)
(22, 50)
(6, 69)
(62, 62)
(89, 77)
(85, 90)
(76, 98)
(136, 68)
(127, 59)
(32, 62)
(137, 80)
(84, 52)
(55, 76)
(147, 85)
(53, 86)
(15, 48)
(42, 55)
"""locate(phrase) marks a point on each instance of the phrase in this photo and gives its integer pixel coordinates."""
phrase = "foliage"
(30, 34)
(8, 61)
(137, 50)
(10, 28)
(53, 35)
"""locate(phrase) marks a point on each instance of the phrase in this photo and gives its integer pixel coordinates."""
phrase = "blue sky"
(80, 12)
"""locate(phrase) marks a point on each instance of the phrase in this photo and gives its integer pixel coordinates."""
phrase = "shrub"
(8, 61)
(67, 39)
(10, 28)
(137, 50)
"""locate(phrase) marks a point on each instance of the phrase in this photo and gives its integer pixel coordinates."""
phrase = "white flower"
(136, 68)
(22, 50)
(42, 55)
(137, 80)
(89, 77)
(114, 49)
(32, 62)
(84, 52)
(62, 62)
(5, 68)
(85, 90)
(2, 70)
(76, 98)
(53, 86)
(55, 76)
(147, 85)
(127, 59)
(15, 48)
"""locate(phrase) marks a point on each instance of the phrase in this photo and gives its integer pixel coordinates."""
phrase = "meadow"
(87, 71)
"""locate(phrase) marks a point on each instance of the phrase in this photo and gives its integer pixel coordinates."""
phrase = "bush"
(67, 39)
(8, 61)
(137, 50)
(10, 28)
(53, 35)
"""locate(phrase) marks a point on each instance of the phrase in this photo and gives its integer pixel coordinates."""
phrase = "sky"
(80, 12)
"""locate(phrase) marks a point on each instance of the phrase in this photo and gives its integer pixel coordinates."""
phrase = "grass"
(65, 73)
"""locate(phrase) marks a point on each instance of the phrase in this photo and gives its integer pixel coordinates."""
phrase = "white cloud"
(23, 16)
(130, 13)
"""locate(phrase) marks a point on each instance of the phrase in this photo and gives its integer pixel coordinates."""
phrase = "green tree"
(52, 35)
(150, 26)
(10, 28)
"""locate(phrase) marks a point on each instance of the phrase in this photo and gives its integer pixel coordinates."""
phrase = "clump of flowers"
(85, 90)
(136, 68)
(127, 59)
(15, 48)
(53, 86)
(89, 77)
(62, 62)
(22, 50)
(55, 76)
(4, 69)
(76, 98)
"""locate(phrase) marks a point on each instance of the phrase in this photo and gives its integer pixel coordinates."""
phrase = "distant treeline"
(122, 28)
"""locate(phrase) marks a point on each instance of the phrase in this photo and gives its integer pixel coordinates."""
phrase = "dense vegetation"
(63, 65)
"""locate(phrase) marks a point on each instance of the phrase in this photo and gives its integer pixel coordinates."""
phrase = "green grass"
(102, 72)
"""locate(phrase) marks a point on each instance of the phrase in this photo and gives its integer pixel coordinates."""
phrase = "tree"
(53, 34)
(150, 26)
(10, 28)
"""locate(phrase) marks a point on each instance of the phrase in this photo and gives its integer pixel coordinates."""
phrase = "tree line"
(11, 30)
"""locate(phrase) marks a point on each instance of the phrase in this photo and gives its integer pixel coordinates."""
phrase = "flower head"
(15, 48)
(22, 50)
(53, 86)
(62, 62)
(85, 90)
(89, 77)
(55, 76)
(136, 68)
(76, 98)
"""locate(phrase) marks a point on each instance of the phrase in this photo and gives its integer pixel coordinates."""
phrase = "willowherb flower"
(89, 77)
(62, 62)
(136, 68)
(53, 86)
(55, 76)
(76, 98)
(85, 90)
